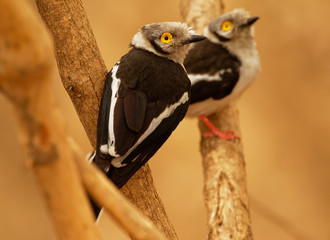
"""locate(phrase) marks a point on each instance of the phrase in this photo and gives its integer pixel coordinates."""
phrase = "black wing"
(128, 115)
(101, 159)
(144, 151)
(216, 88)
(158, 83)
(213, 71)
(103, 117)
(146, 86)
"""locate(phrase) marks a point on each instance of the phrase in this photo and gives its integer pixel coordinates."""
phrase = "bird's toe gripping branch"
(215, 132)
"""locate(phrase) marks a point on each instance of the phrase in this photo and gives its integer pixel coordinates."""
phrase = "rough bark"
(25, 78)
(79, 61)
(82, 71)
(140, 190)
(225, 192)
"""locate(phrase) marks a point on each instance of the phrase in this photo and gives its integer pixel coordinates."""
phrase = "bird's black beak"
(194, 38)
(250, 21)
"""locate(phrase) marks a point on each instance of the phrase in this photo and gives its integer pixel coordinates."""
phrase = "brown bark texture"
(82, 71)
(26, 68)
(225, 192)
(79, 61)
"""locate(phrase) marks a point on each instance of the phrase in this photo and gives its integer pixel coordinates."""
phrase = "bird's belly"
(211, 105)
(208, 106)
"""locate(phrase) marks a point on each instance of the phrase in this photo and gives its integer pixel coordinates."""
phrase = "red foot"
(219, 134)
(222, 133)
(215, 131)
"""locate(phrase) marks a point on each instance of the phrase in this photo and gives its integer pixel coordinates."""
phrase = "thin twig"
(286, 225)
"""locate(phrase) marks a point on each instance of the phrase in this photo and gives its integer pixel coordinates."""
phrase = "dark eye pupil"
(166, 38)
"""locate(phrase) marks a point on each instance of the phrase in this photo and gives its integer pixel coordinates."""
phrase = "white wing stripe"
(153, 125)
(194, 78)
(114, 90)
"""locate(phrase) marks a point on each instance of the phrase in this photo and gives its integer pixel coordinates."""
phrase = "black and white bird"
(145, 96)
(223, 66)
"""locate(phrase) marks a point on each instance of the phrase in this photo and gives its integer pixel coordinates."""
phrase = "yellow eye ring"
(166, 37)
(226, 26)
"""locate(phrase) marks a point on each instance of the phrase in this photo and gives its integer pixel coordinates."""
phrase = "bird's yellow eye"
(226, 26)
(166, 37)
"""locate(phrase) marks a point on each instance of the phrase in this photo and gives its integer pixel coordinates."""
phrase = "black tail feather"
(96, 209)
(91, 157)
(139, 156)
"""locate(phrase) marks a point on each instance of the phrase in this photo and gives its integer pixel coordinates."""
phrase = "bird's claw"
(228, 135)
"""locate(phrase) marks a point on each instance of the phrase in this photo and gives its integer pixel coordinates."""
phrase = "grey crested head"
(167, 39)
(233, 26)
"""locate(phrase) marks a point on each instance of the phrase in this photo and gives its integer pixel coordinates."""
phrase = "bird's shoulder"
(142, 65)
(156, 76)
(209, 57)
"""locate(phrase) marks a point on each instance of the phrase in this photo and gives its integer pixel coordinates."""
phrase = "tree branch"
(225, 192)
(105, 193)
(79, 61)
(82, 71)
(25, 78)
(198, 13)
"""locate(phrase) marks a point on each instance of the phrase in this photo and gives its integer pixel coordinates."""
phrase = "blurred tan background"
(285, 121)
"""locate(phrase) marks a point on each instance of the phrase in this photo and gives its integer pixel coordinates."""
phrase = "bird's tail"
(135, 160)
(96, 209)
